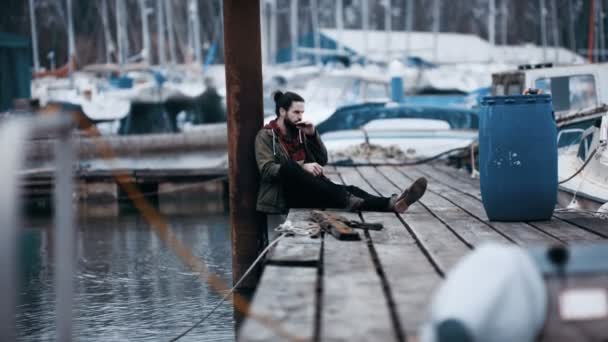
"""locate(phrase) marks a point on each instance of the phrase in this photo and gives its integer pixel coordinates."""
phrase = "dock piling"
(242, 55)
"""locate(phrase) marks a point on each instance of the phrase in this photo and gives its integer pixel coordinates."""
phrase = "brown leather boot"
(410, 195)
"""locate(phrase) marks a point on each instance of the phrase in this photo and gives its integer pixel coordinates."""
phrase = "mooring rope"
(285, 229)
(255, 262)
(581, 168)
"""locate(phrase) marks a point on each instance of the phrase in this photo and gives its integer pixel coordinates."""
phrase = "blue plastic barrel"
(518, 157)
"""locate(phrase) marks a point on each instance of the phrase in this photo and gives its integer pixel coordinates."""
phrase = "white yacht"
(583, 168)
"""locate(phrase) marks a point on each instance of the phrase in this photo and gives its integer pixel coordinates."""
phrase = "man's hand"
(307, 127)
(532, 91)
(313, 168)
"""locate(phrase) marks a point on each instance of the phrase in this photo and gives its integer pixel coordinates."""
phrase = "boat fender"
(496, 293)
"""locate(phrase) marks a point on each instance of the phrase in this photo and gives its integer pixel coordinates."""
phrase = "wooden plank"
(562, 230)
(296, 250)
(518, 232)
(470, 229)
(435, 238)
(584, 221)
(456, 179)
(411, 264)
(285, 295)
(410, 276)
(352, 177)
(566, 232)
(354, 307)
(332, 174)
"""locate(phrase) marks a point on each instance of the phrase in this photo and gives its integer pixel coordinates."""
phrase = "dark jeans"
(303, 190)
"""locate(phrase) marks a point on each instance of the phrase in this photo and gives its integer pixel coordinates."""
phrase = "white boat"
(96, 98)
(416, 138)
(340, 87)
(583, 169)
(575, 88)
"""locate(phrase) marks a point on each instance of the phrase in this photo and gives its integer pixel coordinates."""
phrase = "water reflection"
(129, 286)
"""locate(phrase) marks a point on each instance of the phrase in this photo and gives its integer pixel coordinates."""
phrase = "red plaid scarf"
(294, 146)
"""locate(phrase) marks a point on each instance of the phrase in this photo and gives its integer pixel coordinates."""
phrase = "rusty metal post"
(242, 56)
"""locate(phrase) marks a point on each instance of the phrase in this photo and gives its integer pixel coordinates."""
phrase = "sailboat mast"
(106, 31)
(294, 30)
(314, 9)
(71, 40)
(273, 32)
(264, 29)
(409, 25)
(34, 37)
(591, 31)
(120, 40)
(365, 27)
(555, 30)
(492, 22)
(145, 28)
(388, 23)
(160, 34)
(543, 28)
(571, 36)
(196, 33)
(601, 32)
(170, 33)
(340, 24)
(504, 12)
(436, 27)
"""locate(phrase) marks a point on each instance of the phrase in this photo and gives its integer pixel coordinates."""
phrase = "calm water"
(129, 286)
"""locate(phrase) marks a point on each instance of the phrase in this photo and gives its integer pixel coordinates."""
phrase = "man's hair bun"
(284, 100)
(277, 95)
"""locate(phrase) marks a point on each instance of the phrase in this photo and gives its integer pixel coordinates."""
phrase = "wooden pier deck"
(379, 288)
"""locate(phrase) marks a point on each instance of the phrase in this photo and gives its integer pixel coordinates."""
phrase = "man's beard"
(290, 125)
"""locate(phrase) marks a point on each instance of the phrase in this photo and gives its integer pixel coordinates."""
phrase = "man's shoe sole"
(411, 195)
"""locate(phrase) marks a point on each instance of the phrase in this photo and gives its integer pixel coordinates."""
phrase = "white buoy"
(496, 293)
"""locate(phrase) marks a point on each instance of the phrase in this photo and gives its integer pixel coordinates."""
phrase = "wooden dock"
(102, 183)
(148, 160)
(379, 288)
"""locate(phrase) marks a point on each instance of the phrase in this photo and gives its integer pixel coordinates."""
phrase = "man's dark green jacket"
(270, 154)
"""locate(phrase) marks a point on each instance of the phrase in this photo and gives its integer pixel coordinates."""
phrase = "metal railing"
(13, 136)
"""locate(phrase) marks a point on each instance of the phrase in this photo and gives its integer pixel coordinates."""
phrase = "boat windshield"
(334, 88)
(570, 92)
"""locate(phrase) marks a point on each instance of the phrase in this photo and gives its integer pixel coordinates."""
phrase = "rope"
(288, 228)
(349, 162)
(591, 213)
(255, 262)
(581, 168)
(285, 229)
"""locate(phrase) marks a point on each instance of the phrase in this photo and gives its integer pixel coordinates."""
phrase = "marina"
(304, 170)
